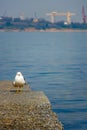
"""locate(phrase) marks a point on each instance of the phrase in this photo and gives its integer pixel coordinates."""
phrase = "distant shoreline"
(46, 30)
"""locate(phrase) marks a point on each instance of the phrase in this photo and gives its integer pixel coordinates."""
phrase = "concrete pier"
(26, 110)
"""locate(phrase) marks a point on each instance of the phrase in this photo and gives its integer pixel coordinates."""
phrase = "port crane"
(52, 15)
(22, 16)
(67, 14)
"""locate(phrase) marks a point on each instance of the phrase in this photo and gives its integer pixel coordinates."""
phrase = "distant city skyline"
(39, 8)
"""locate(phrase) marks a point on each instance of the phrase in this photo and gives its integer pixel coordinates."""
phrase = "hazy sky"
(41, 7)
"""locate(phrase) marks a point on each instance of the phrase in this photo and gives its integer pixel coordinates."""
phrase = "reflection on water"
(55, 63)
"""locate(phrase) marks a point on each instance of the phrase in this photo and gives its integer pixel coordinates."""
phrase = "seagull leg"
(16, 89)
(21, 89)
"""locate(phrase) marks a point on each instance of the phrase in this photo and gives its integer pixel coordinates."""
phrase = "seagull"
(19, 81)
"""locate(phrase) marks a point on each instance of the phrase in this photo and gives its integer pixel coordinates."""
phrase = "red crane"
(83, 15)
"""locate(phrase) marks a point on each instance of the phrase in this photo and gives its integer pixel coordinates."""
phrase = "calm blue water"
(55, 63)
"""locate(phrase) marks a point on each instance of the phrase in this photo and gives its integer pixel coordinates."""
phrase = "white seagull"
(19, 81)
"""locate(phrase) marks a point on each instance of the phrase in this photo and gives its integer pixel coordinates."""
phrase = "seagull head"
(19, 74)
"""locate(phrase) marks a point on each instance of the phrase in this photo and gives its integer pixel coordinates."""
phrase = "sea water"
(52, 62)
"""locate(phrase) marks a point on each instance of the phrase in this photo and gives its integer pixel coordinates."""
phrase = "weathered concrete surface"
(27, 110)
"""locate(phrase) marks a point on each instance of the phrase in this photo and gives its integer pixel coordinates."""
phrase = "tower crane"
(67, 14)
(83, 15)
